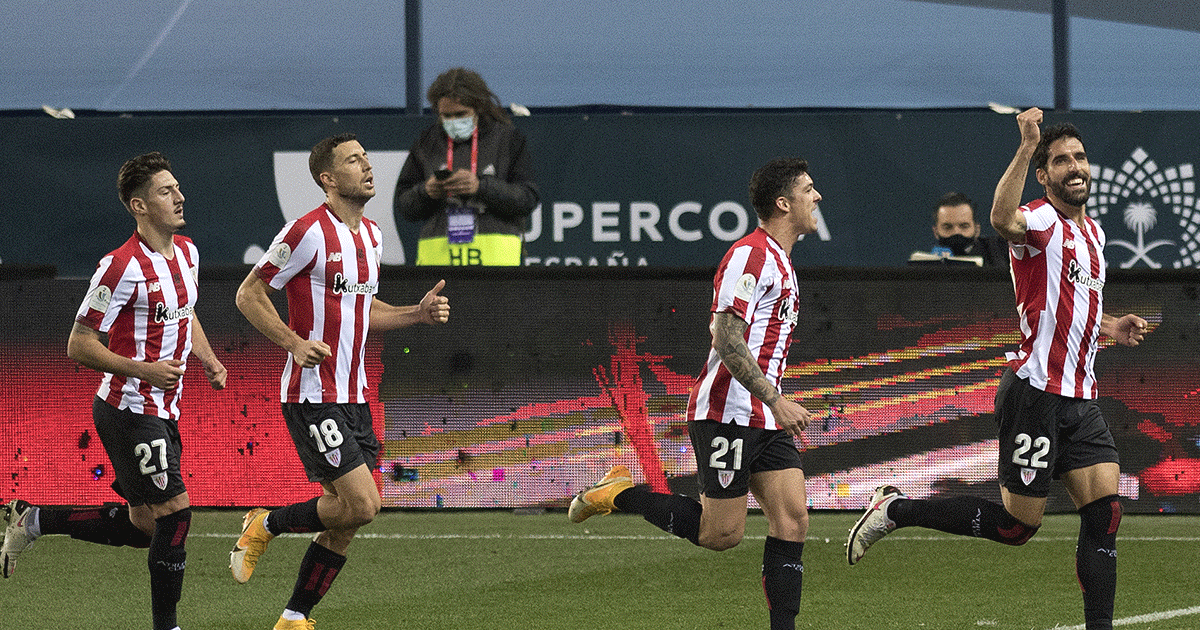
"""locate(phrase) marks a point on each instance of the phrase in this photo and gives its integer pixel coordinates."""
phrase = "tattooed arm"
(729, 340)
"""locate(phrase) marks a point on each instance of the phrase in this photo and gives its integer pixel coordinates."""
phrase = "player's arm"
(1007, 218)
(729, 341)
(213, 369)
(1129, 330)
(84, 345)
(433, 309)
(254, 301)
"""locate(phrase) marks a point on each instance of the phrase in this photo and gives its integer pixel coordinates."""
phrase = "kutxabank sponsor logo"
(1127, 202)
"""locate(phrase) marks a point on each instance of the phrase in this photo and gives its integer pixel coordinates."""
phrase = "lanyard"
(474, 151)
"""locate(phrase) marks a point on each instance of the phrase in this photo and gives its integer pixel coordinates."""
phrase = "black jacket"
(507, 193)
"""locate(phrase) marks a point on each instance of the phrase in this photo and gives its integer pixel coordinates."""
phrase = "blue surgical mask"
(459, 128)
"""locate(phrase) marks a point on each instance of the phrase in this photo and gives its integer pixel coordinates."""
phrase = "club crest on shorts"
(725, 477)
(334, 457)
(1027, 475)
(160, 480)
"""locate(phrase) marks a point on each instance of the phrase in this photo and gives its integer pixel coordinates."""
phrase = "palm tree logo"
(1140, 217)
(1138, 190)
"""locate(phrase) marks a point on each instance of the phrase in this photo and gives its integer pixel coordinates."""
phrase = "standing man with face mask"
(469, 178)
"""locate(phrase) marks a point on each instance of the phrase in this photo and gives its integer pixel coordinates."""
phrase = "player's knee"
(720, 540)
(796, 528)
(1102, 516)
(142, 520)
(355, 510)
(1014, 532)
(360, 514)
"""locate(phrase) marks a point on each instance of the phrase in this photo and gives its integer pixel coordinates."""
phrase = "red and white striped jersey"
(1058, 279)
(144, 302)
(755, 281)
(332, 276)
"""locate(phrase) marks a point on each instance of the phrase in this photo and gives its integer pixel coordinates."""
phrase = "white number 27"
(145, 452)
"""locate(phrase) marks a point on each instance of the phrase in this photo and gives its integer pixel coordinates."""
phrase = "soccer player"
(143, 296)
(1049, 423)
(328, 260)
(741, 427)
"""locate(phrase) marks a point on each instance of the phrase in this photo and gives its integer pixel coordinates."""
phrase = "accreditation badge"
(461, 224)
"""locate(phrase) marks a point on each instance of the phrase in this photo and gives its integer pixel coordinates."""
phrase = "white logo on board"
(1132, 198)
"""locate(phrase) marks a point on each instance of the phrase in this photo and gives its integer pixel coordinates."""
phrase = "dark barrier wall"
(544, 378)
(661, 190)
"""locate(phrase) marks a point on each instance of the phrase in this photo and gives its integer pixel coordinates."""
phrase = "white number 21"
(724, 446)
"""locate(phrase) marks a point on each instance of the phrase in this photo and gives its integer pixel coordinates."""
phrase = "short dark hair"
(772, 181)
(320, 160)
(953, 199)
(1049, 135)
(137, 172)
(468, 88)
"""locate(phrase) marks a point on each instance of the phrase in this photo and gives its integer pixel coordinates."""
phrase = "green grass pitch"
(494, 569)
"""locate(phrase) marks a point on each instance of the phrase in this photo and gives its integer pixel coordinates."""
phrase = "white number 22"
(1024, 444)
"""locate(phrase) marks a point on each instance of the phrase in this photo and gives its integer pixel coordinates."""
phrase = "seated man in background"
(958, 236)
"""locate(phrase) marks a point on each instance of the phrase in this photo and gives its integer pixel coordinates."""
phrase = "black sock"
(673, 513)
(167, 559)
(782, 578)
(317, 571)
(1096, 560)
(108, 524)
(297, 517)
(965, 516)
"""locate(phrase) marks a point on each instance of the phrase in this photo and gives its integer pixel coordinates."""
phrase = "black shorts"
(332, 438)
(1044, 435)
(144, 451)
(727, 454)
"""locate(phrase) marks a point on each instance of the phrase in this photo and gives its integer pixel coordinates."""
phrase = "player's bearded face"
(1073, 188)
(1067, 175)
(352, 170)
(359, 191)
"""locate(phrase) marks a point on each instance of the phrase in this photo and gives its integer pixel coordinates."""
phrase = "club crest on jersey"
(724, 477)
(334, 457)
(160, 480)
(1028, 475)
